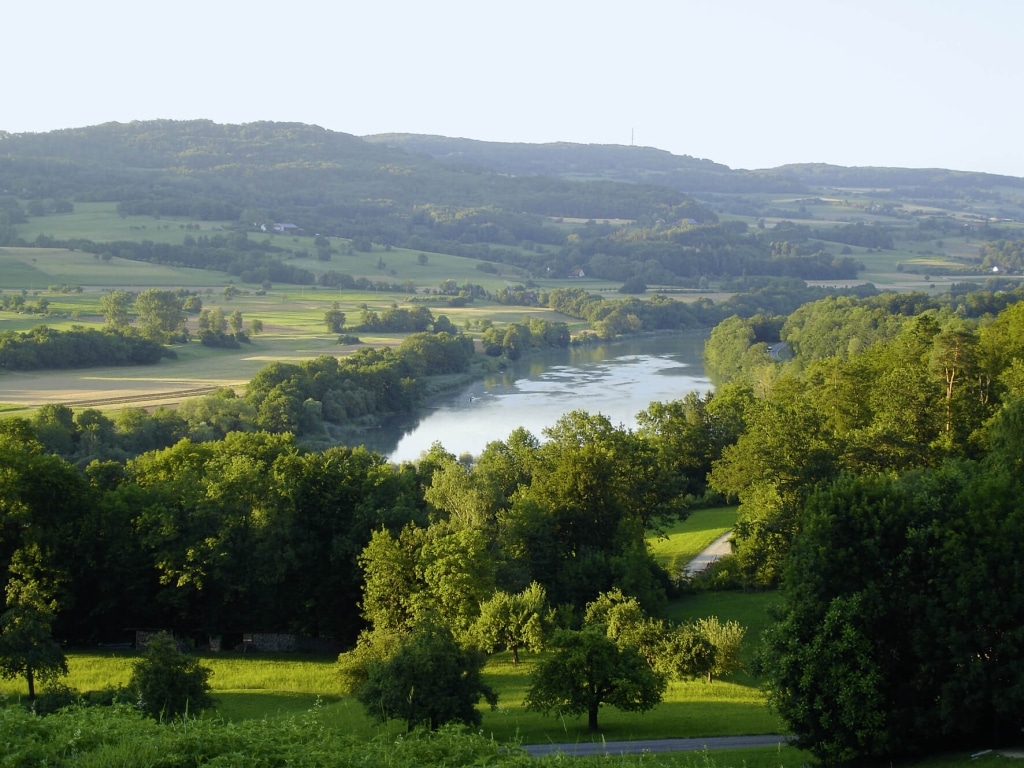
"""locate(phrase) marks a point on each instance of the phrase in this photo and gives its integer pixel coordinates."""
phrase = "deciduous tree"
(116, 308)
(512, 621)
(901, 630)
(429, 678)
(726, 639)
(27, 647)
(335, 320)
(588, 670)
(161, 313)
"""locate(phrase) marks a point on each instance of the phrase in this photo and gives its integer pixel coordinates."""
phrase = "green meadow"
(35, 269)
(100, 222)
(71, 284)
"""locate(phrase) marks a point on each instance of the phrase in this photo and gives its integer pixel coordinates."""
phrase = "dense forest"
(689, 174)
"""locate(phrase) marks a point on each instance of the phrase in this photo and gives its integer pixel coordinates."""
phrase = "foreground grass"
(122, 736)
(253, 704)
(248, 688)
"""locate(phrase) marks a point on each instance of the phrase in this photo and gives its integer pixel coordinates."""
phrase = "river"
(617, 379)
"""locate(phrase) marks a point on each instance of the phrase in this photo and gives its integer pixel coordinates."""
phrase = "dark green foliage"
(901, 631)
(428, 679)
(220, 340)
(633, 285)
(393, 320)
(370, 382)
(161, 314)
(55, 697)
(577, 522)
(168, 683)
(335, 320)
(45, 348)
(514, 339)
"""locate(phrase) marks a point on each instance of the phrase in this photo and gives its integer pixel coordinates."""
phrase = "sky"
(746, 83)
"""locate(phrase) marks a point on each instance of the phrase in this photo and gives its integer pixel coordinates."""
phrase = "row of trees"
(304, 398)
(512, 339)
(248, 260)
(160, 317)
(78, 347)
(308, 398)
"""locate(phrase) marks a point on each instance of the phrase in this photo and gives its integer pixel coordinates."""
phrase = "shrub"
(167, 682)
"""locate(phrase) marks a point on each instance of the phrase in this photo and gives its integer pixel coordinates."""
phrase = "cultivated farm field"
(72, 283)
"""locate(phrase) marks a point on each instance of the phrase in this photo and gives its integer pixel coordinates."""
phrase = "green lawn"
(257, 687)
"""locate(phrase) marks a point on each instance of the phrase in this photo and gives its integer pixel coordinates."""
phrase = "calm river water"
(618, 380)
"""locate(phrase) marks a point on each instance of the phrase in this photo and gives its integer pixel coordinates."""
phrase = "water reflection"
(618, 380)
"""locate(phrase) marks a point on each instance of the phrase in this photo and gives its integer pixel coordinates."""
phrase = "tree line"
(78, 347)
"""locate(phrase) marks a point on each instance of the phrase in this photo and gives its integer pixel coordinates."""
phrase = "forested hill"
(594, 161)
(685, 173)
(621, 214)
(323, 180)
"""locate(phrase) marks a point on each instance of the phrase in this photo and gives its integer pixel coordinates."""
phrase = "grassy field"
(262, 687)
(292, 316)
(38, 268)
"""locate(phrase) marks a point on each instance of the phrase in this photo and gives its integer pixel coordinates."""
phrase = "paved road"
(581, 749)
(718, 549)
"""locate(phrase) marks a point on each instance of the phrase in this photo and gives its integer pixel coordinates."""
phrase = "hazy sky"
(748, 83)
